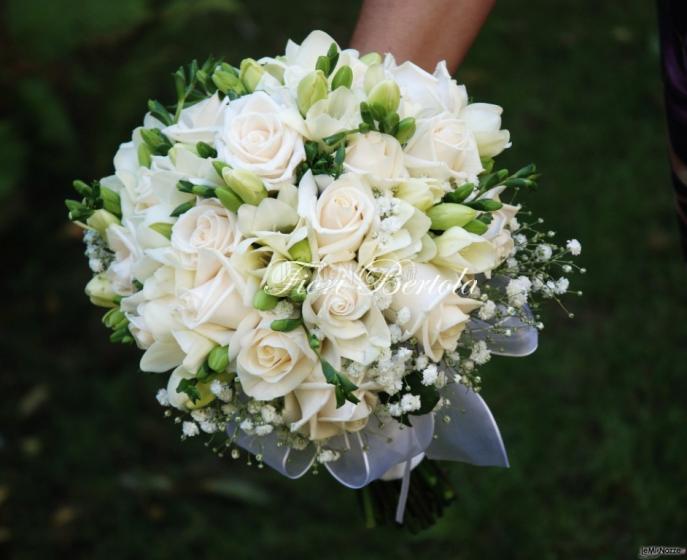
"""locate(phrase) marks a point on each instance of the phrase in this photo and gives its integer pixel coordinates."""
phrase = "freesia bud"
(251, 73)
(285, 276)
(342, 78)
(385, 97)
(311, 89)
(145, 156)
(226, 80)
(228, 199)
(371, 58)
(99, 290)
(218, 359)
(406, 129)
(246, 184)
(301, 251)
(100, 220)
(449, 214)
(111, 201)
(262, 301)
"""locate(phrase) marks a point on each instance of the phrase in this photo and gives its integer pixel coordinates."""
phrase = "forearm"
(422, 31)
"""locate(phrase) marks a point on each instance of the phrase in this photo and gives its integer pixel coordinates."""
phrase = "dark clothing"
(672, 19)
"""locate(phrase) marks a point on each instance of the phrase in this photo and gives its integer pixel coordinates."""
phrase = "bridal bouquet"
(319, 252)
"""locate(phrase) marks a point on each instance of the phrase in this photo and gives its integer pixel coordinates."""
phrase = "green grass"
(594, 422)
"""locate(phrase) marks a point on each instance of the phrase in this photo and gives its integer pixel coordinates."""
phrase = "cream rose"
(257, 137)
(341, 216)
(443, 147)
(209, 225)
(378, 155)
(463, 251)
(271, 364)
(438, 315)
(218, 300)
(311, 409)
(342, 306)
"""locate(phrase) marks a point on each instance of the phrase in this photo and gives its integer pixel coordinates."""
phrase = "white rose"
(340, 218)
(398, 235)
(443, 147)
(484, 119)
(342, 306)
(311, 409)
(218, 300)
(257, 137)
(378, 155)
(209, 225)
(271, 364)
(461, 250)
(339, 111)
(423, 93)
(438, 315)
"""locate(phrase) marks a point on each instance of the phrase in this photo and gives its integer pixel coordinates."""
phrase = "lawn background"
(594, 422)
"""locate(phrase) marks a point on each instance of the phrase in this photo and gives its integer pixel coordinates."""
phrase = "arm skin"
(424, 31)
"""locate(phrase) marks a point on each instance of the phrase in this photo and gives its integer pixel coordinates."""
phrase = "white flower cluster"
(250, 245)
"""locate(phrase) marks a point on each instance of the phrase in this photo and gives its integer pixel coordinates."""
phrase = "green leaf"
(188, 386)
(185, 207)
(160, 113)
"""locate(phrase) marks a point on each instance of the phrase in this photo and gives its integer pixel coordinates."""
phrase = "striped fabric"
(672, 19)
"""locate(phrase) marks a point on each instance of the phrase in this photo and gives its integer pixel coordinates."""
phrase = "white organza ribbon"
(522, 340)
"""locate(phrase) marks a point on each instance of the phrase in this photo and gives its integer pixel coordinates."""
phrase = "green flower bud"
(285, 276)
(298, 294)
(477, 227)
(100, 220)
(251, 73)
(203, 191)
(371, 58)
(449, 214)
(406, 129)
(343, 78)
(113, 317)
(262, 301)
(82, 188)
(460, 194)
(219, 166)
(226, 80)
(301, 251)
(384, 97)
(158, 143)
(228, 199)
(218, 360)
(99, 290)
(111, 201)
(205, 150)
(163, 229)
(485, 205)
(145, 156)
(311, 89)
(285, 325)
(77, 210)
(246, 184)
